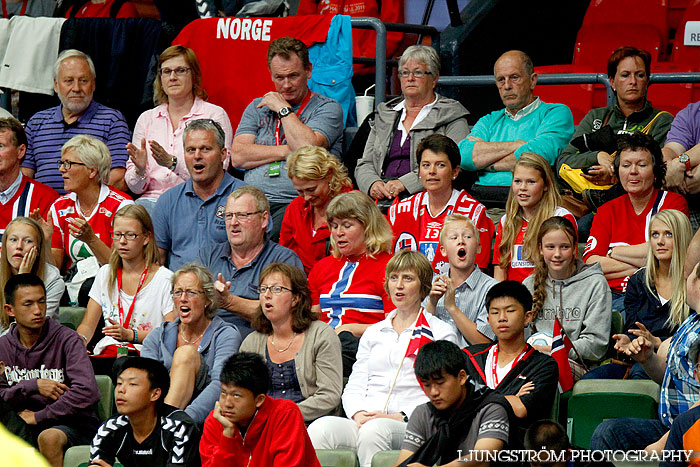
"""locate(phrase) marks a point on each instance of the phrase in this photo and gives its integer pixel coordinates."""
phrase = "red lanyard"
(495, 364)
(21, 12)
(122, 321)
(298, 112)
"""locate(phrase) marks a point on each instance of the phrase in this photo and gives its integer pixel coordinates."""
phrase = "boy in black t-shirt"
(460, 416)
(526, 377)
(146, 433)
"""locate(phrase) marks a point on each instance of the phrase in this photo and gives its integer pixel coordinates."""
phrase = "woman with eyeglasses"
(389, 167)
(131, 295)
(302, 353)
(195, 345)
(156, 153)
(82, 218)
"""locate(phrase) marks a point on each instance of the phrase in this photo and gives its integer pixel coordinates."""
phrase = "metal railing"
(572, 78)
(381, 61)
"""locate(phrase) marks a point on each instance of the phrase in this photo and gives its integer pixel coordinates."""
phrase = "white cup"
(365, 106)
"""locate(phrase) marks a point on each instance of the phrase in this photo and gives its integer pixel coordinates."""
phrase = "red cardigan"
(276, 437)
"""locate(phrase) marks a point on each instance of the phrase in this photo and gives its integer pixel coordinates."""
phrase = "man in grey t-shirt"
(441, 368)
(282, 121)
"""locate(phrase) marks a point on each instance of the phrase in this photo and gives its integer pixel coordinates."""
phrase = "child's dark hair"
(246, 370)
(546, 435)
(512, 289)
(158, 376)
(21, 280)
(439, 358)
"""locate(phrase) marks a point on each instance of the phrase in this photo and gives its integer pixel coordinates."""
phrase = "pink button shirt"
(155, 125)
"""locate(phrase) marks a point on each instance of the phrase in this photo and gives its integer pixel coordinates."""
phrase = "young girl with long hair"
(655, 296)
(576, 293)
(533, 198)
(131, 292)
(24, 249)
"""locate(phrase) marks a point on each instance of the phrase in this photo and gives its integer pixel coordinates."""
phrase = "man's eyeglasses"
(68, 164)
(241, 216)
(129, 236)
(274, 289)
(179, 71)
(415, 73)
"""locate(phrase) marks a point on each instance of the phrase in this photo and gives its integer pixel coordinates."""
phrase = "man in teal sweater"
(525, 125)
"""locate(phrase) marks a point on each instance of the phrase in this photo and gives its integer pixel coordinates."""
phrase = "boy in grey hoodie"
(46, 377)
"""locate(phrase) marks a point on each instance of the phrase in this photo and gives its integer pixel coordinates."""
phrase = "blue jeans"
(615, 371)
(627, 433)
(618, 304)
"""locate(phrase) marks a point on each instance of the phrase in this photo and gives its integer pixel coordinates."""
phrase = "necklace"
(272, 341)
(182, 333)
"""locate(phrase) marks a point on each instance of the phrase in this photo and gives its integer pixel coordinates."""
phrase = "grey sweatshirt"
(583, 304)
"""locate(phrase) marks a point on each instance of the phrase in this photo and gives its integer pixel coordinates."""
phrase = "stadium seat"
(104, 405)
(79, 456)
(671, 97)
(595, 44)
(71, 316)
(617, 325)
(554, 414)
(676, 10)
(686, 53)
(385, 458)
(578, 97)
(596, 400)
(336, 458)
(653, 13)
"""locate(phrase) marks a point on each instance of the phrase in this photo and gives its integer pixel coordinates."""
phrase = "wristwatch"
(685, 159)
(174, 164)
(284, 111)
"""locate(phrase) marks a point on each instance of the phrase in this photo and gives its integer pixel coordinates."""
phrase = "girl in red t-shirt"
(533, 198)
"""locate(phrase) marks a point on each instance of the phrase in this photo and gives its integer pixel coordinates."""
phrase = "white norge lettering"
(244, 28)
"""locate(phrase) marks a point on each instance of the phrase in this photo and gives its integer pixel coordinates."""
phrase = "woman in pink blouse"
(156, 154)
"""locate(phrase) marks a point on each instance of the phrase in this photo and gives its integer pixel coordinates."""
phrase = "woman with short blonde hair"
(318, 176)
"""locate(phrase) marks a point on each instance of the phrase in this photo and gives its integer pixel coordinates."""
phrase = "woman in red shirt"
(319, 177)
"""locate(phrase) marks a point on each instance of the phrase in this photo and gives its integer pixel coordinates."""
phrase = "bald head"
(520, 56)
(516, 79)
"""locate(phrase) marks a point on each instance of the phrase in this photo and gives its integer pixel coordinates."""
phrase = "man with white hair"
(78, 113)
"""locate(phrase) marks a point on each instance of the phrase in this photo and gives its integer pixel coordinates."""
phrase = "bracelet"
(610, 252)
(136, 335)
(84, 338)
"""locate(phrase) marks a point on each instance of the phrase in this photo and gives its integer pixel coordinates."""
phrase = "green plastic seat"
(71, 316)
(104, 405)
(385, 458)
(77, 456)
(596, 400)
(336, 458)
